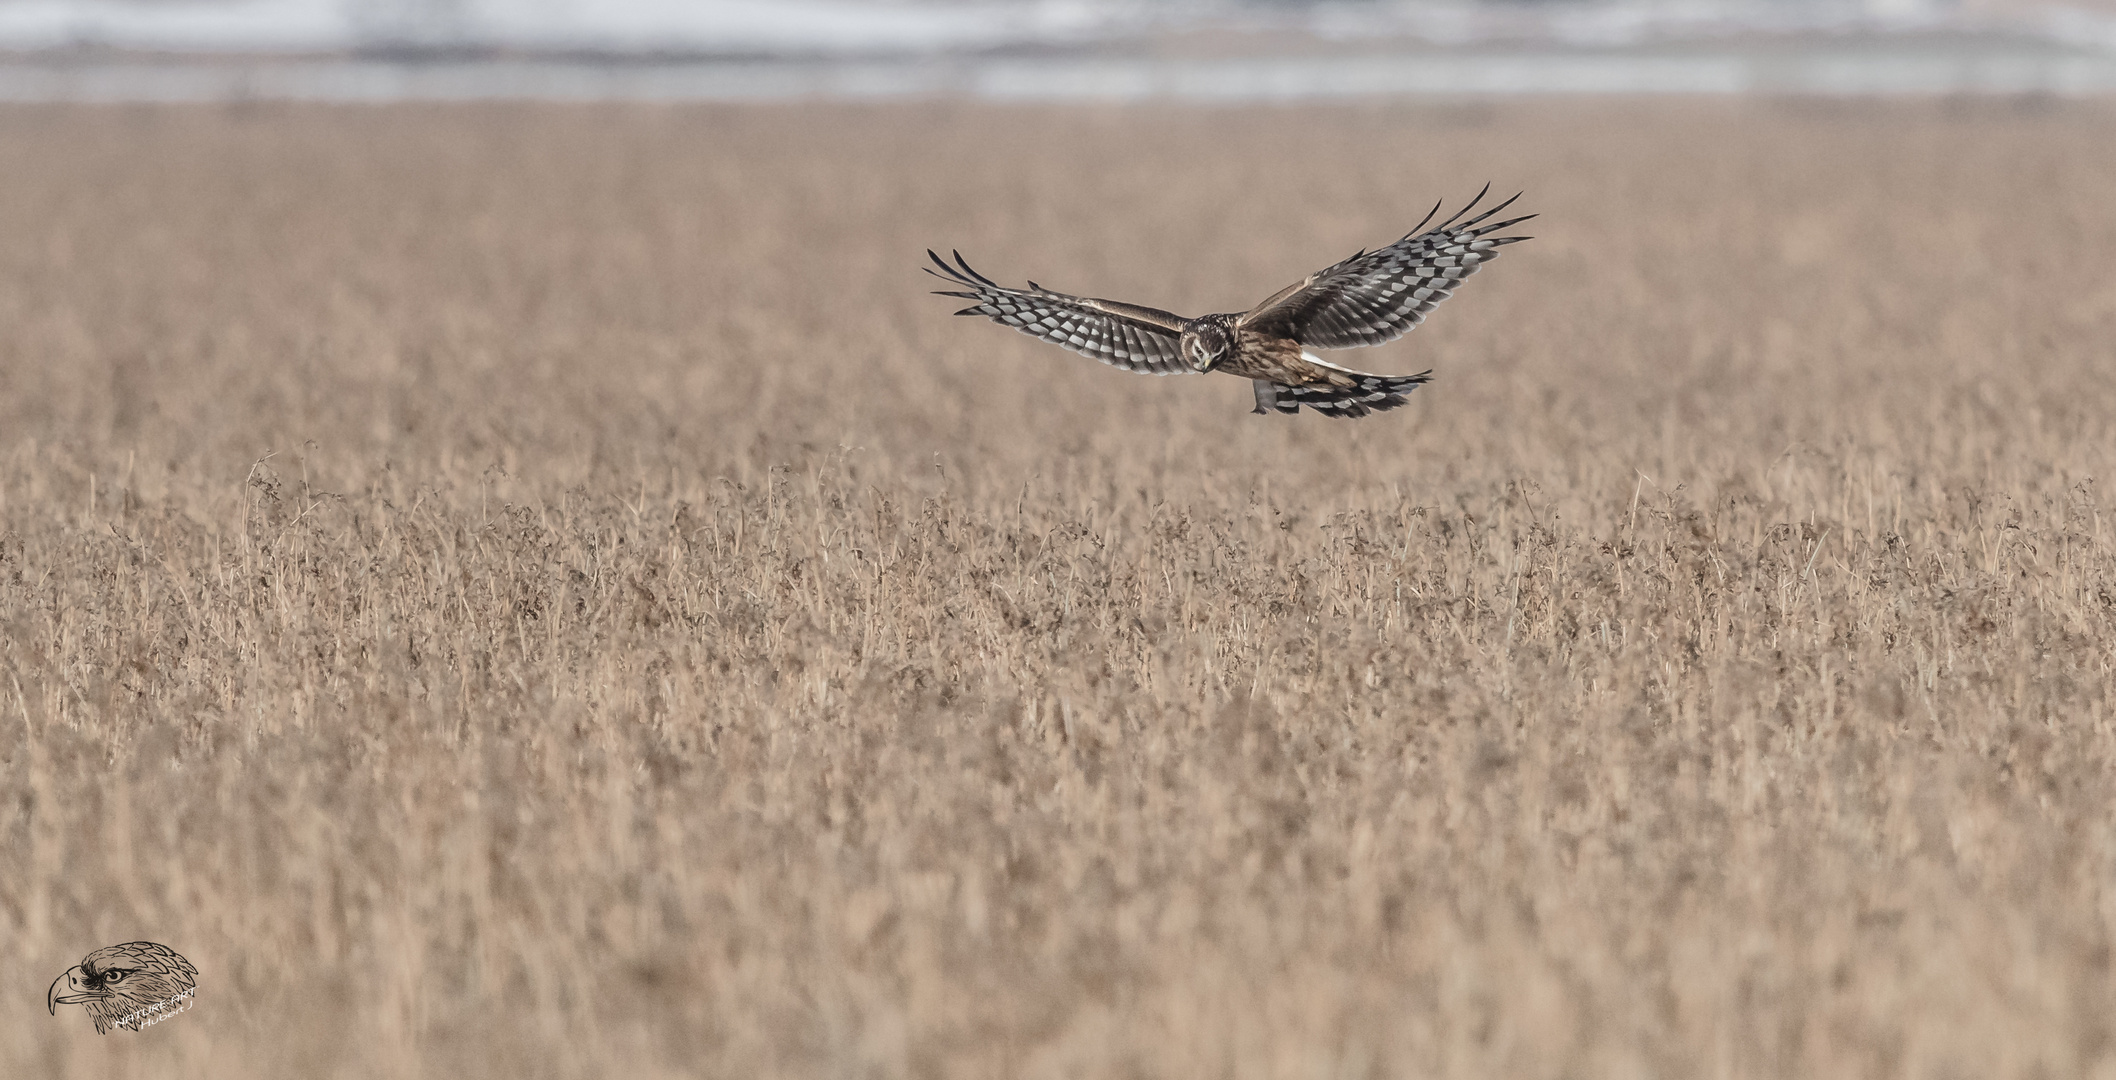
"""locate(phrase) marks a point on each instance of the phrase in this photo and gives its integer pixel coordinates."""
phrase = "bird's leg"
(1266, 396)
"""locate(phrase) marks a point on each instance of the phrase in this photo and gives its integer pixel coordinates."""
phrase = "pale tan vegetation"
(526, 592)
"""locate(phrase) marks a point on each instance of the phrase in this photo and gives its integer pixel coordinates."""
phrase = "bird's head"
(1206, 342)
(124, 984)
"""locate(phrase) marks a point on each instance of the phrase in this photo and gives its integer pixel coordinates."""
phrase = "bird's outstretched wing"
(1123, 335)
(1378, 296)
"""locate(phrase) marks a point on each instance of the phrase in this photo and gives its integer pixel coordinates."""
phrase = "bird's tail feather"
(1369, 393)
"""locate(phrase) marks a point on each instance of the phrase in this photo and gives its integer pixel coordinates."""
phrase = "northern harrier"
(1370, 298)
(125, 985)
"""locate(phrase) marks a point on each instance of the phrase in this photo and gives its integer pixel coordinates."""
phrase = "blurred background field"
(1041, 50)
(520, 590)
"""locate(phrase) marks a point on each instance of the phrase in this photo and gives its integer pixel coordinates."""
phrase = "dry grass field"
(543, 592)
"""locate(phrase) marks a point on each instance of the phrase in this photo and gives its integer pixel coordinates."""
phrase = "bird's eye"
(114, 976)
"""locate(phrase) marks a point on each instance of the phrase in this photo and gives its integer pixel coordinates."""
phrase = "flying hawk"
(1370, 298)
(125, 985)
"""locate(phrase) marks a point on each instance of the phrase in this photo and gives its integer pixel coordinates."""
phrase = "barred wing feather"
(1378, 296)
(1122, 335)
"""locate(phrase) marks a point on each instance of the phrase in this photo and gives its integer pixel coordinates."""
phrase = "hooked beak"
(74, 995)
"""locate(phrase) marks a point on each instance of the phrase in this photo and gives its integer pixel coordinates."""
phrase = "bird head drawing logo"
(126, 986)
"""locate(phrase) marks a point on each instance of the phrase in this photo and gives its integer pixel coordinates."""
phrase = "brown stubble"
(543, 591)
